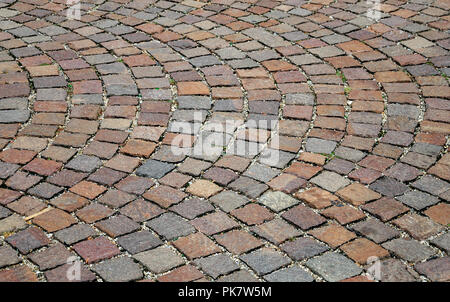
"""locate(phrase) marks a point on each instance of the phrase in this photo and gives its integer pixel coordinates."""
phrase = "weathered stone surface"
(8, 256)
(375, 230)
(302, 248)
(246, 137)
(333, 267)
(418, 226)
(160, 259)
(409, 250)
(154, 168)
(277, 201)
(418, 200)
(436, 269)
(393, 270)
(330, 181)
(442, 241)
(265, 260)
(170, 226)
(290, 274)
(120, 269)
(216, 265)
(12, 223)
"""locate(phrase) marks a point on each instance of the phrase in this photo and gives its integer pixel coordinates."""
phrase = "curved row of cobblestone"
(224, 140)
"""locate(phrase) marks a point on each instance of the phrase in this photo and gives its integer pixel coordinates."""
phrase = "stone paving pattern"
(90, 110)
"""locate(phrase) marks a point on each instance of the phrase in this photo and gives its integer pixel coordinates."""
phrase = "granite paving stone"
(120, 269)
(160, 259)
(436, 269)
(217, 265)
(409, 249)
(170, 226)
(375, 230)
(265, 260)
(224, 140)
(290, 274)
(302, 248)
(393, 270)
(333, 267)
(8, 256)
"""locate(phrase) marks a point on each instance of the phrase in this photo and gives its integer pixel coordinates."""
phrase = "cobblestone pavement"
(100, 120)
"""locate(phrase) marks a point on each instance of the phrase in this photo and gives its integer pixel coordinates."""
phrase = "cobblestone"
(330, 128)
(333, 267)
(159, 260)
(170, 226)
(409, 250)
(118, 270)
(265, 260)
